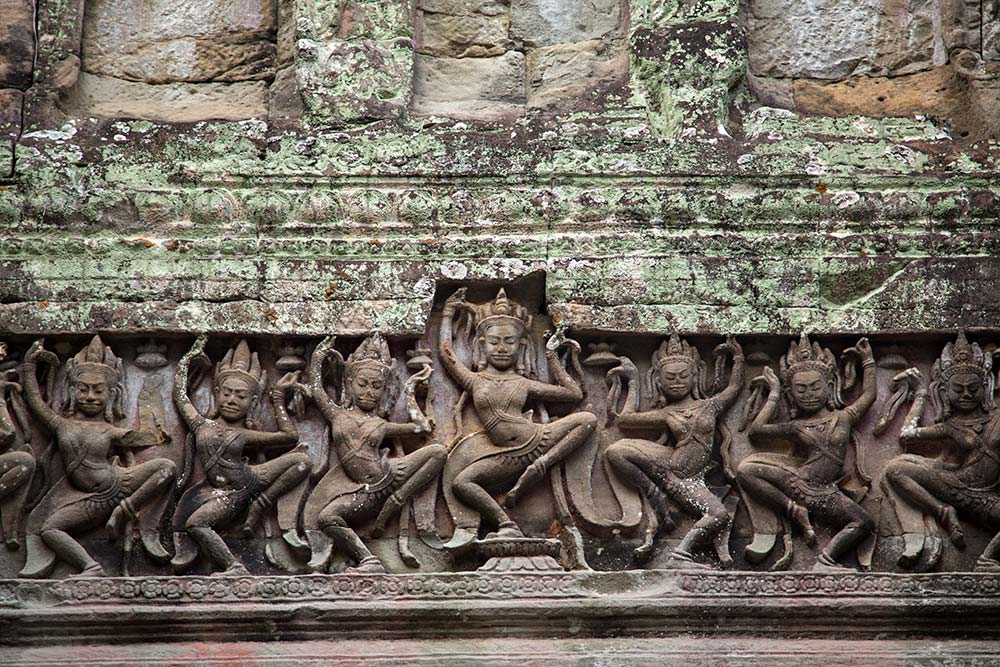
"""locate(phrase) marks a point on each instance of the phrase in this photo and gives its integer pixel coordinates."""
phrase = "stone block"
(174, 102)
(17, 43)
(359, 19)
(161, 42)
(469, 87)
(575, 76)
(344, 82)
(547, 22)
(10, 127)
(467, 36)
(819, 39)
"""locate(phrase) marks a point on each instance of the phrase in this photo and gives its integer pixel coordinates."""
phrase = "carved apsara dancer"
(521, 450)
(17, 465)
(966, 427)
(673, 469)
(232, 486)
(820, 428)
(93, 489)
(362, 480)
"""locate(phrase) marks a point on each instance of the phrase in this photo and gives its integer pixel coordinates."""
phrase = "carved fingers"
(287, 382)
(912, 376)
(864, 350)
(453, 302)
(731, 345)
(625, 368)
(771, 380)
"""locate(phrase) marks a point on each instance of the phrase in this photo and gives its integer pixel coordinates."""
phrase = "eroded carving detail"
(93, 489)
(672, 469)
(359, 479)
(232, 486)
(781, 487)
(928, 492)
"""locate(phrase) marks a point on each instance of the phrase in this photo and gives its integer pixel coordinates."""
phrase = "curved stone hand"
(197, 349)
(37, 352)
(420, 377)
(286, 383)
(626, 368)
(864, 350)
(912, 376)
(731, 345)
(768, 379)
(455, 301)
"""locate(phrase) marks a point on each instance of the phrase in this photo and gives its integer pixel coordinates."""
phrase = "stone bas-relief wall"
(493, 443)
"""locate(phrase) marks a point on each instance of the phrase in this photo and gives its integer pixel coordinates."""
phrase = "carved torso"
(692, 430)
(357, 437)
(220, 449)
(499, 402)
(825, 442)
(84, 447)
(980, 438)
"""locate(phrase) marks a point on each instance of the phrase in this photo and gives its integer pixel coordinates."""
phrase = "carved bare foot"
(12, 543)
(985, 564)
(367, 565)
(92, 570)
(392, 507)
(506, 529)
(826, 564)
(800, 515)
(237, 569)
(951, 524)
(533, 474)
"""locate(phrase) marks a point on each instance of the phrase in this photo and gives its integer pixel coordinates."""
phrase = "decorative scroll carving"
(232, 486)
(93, 489)
(672, 469)
(793, 487)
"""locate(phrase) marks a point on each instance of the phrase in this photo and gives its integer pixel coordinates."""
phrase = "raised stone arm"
(32, 392)
(912, 432)
(419, 422)
(869, 391)
(761, 429)
(183, 402)
(314, 377)
(286, 434)
(728, 395)
(449, 360)
(566, 388)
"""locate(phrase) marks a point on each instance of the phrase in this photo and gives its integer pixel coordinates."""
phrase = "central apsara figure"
(521, 450)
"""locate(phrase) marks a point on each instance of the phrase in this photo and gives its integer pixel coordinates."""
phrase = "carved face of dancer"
(367, 386)
(676, 380)
(234, 398)
(965, 392)
(91, 389)
(810, 391)
(502, 345)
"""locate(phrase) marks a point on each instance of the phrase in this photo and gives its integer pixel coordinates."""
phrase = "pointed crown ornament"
(803, 356)
(675, 350)
(97, 356)
(502, 311)
(962, 357)
(372, 353)
(241, 363)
